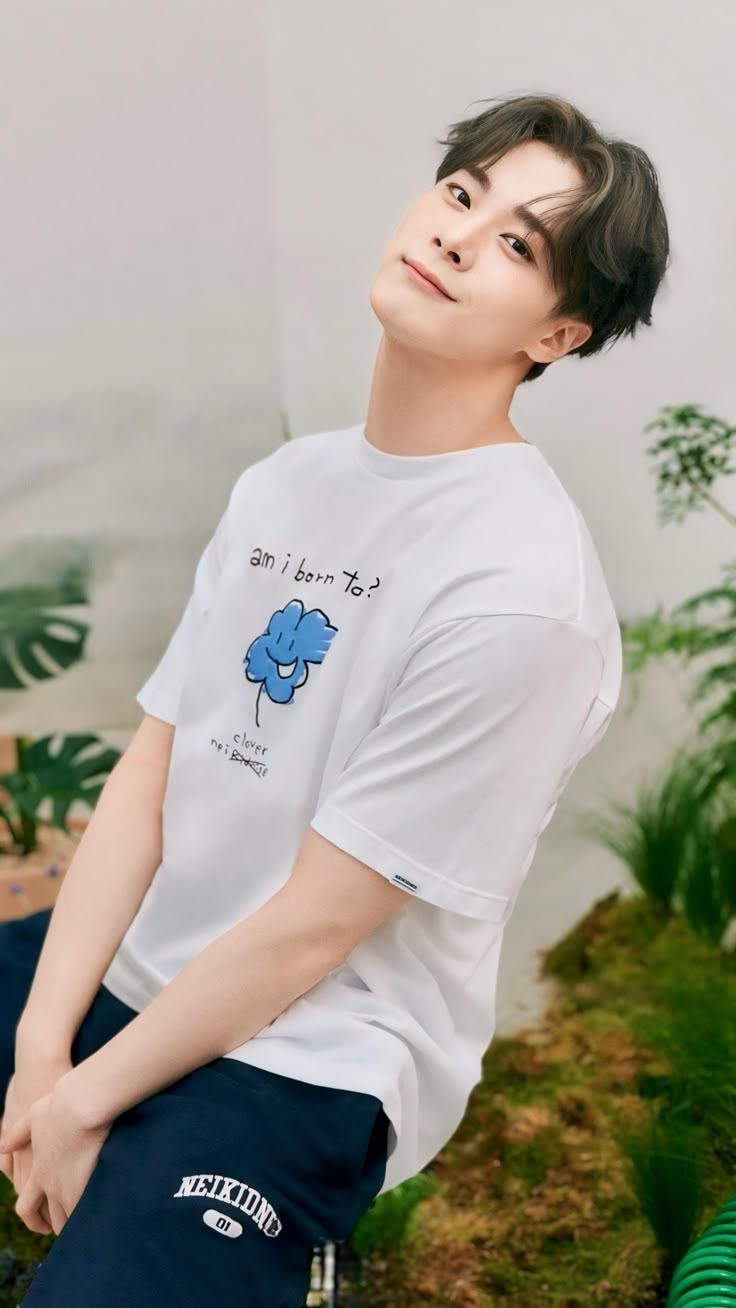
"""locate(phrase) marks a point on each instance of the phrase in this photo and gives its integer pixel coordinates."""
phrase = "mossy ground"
(535, 1206)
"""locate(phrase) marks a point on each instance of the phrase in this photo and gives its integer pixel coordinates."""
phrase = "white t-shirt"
(411, 653)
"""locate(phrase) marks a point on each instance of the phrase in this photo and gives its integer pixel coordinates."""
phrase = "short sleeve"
(161, 692)
(447, 794)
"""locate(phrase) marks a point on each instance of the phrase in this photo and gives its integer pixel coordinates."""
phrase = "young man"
(268, 982)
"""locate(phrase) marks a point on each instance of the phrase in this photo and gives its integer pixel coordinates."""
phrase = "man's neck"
(420, 404)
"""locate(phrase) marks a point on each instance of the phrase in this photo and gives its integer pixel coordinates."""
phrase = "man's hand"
(64, 1156)
(34, 1076)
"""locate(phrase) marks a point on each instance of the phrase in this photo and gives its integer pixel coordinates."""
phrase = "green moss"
(538, 1204)
(531, 1160)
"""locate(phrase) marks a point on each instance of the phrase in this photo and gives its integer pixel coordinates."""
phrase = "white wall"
(138, 315)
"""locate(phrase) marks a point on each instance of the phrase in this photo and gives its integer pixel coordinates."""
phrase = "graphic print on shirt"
(280, 656)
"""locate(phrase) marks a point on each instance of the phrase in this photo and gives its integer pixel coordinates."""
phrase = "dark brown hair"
(610, 254)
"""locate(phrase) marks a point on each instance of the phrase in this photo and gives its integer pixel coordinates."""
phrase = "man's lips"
(425, 277)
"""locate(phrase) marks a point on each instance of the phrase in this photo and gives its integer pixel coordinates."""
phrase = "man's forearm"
(233, 989)
(102, 889)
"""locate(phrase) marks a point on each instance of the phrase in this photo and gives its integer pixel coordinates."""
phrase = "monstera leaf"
(29, 621)
(62, 776)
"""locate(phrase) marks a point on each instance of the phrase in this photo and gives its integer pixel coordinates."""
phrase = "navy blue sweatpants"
(215, 1189)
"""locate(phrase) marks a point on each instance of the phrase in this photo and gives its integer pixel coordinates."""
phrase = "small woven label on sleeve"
(404, 882)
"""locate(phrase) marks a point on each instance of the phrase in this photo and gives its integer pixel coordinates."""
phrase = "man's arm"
(239, 983)
(102, 889)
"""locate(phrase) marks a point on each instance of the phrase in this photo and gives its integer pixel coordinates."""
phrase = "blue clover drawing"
(279, 657)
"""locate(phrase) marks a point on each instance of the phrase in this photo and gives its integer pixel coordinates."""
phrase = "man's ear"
(565, 337)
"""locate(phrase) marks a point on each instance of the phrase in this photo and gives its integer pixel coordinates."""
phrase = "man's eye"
(527, 252)
(456, 186)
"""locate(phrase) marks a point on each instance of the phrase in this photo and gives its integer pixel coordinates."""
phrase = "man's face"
(498, 278)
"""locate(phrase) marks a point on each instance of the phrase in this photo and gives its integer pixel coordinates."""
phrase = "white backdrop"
(138, 317)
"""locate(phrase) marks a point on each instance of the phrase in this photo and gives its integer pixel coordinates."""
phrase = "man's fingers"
(52, 1211)
(22, 1167)
(28, 1204)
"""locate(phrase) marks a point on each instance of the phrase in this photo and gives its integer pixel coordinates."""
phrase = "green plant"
(706, 908)
(652, 836)
(679, 838)
(40, 641)
(52, 779)
(693, 452)
(665, 1164)
(694, 1030)
(386, 1223)
(34, 630)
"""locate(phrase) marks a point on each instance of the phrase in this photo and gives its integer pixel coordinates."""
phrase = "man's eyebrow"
(521, 211)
